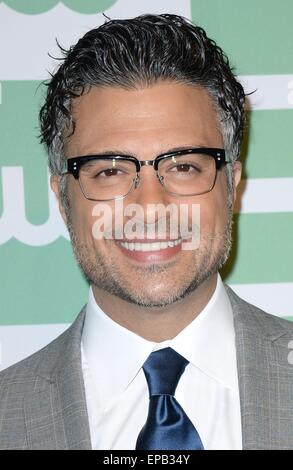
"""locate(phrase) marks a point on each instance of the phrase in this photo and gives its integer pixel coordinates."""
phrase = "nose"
(149, 188)
(149, 193)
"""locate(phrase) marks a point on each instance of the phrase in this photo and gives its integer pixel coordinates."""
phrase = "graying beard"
(108, 282)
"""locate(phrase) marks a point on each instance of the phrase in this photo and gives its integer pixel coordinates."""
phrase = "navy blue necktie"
(167, 426)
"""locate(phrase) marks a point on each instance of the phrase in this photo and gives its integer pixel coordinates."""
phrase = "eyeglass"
(187, 172)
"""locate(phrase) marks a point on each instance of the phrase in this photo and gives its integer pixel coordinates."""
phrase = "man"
(147, 113)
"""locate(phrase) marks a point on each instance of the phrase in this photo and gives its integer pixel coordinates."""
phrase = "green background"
(258, 38)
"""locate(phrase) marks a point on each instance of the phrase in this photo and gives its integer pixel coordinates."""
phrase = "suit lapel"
(254, 375)
(265, 378)
(55, 414)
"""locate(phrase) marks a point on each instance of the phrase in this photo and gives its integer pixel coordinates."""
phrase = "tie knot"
(163, 370)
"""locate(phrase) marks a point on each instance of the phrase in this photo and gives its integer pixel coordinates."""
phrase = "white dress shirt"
(116, 389)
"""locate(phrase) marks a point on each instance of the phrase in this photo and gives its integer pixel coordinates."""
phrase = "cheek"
(81, 210)
(82, 221)
(93, 222)
(213, 209)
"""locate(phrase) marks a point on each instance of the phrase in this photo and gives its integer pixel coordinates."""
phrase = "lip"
(149, 240)
(157, 256)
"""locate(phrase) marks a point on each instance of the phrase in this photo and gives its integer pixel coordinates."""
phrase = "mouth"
(145, 251)
(150, 246)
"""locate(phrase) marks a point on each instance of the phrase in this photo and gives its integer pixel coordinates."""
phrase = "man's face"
(145, 123)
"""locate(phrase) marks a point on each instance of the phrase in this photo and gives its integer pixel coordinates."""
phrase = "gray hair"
(137, 53)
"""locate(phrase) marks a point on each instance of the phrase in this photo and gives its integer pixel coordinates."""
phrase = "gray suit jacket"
(43, 405)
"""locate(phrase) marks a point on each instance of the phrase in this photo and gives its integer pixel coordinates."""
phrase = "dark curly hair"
(136, 53)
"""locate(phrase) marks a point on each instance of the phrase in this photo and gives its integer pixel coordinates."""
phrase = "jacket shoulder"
(255, 317)
(44, 361)
(31, 383)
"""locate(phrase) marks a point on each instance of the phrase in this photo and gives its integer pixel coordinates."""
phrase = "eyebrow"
(125, 153)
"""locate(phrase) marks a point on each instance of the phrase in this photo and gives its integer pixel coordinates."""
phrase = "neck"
(156, 324)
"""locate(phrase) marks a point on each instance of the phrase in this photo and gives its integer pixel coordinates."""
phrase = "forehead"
(158, 114)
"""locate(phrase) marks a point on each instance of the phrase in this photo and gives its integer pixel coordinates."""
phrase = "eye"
(108, 172)
(100, 170)
(185, 168)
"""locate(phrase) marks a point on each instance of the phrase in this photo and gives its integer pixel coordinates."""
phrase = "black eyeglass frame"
(74, 164)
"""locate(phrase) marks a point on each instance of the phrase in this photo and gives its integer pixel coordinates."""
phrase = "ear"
(55, 186)
(237, 170)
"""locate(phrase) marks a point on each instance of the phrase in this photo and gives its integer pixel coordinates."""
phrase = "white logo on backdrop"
(270, 91)
(14, 223)
(290, 93)
(38, 33)
(257, 196)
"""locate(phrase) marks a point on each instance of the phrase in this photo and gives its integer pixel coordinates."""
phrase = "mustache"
(158, 230)
(156, 222)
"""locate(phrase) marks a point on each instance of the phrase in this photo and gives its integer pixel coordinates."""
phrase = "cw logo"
(290, 94)
(31, 7)
(13, 222)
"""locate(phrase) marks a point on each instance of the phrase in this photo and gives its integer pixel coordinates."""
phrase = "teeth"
(155, 246)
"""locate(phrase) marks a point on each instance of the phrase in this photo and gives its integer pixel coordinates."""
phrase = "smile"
(150, 252)
(150, 246)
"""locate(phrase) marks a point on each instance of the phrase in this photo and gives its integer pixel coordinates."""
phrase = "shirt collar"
(208, 343)
(113, 353)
